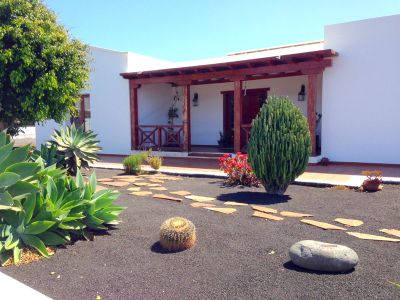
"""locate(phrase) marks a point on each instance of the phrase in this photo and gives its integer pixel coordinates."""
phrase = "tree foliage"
(42, 69)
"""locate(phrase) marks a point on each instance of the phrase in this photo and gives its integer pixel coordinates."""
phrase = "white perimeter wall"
(361, 92)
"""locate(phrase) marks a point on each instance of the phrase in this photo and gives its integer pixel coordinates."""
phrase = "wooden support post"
(186, 117)
(237, 119)
(311, 109)
(133, 104)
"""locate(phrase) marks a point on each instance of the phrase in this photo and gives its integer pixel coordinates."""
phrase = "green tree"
(42, 68)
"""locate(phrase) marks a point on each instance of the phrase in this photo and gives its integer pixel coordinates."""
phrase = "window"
(83, 116)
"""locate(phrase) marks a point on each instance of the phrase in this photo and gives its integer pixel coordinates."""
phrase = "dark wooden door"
(251, 104)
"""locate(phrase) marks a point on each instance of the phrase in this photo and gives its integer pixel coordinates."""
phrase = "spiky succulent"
(279, 144)
(79, 147)
(177, 234)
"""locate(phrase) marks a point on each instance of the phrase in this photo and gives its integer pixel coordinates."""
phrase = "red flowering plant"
(238, 170)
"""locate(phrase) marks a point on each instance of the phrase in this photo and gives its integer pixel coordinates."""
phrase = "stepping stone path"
(325, 226)
(222, 210)
(116, 183)
(201, 204)
(141, 183)
(166, 197)
(104, 179)
(349, 222)
(161, 188)
(235, 203)
(264, 209)
(324, 257)
(259, 214)
(372, 237)
(294, 214)
(134, 189)
(391, 232)
(141, 193)
(199, 198)
(181, 193)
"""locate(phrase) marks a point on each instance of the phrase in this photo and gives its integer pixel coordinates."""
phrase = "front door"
(252, 101)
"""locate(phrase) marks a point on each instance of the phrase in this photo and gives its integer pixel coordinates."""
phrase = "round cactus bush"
(177, 234)
(279, 144)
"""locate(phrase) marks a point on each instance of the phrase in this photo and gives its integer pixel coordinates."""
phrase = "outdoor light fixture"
(195, 99)
(301, 96)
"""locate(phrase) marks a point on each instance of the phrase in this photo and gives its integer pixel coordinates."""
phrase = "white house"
(346, 85)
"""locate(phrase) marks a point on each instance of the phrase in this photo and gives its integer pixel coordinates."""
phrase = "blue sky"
(193, 29)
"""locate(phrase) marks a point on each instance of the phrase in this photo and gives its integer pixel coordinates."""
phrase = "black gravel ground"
(236, 256)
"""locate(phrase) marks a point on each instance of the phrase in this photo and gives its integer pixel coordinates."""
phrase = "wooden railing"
(160, 136)
(244, 136)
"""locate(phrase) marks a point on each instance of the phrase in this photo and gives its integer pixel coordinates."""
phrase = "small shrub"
(238, 170)
(155, 162)
(373, 182)
(279, 144)
(132, 163)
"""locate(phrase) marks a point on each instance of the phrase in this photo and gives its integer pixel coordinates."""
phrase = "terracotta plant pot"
(371, 185)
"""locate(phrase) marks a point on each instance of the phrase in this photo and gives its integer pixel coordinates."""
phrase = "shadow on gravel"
(156, 248)
(254, 198)
(291, 266)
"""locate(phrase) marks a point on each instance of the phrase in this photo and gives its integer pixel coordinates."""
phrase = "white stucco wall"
(207, 118)
(361, 92)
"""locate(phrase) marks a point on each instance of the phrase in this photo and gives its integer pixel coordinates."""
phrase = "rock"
(319, 256)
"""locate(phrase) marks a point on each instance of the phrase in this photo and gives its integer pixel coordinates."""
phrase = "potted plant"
(373, 182)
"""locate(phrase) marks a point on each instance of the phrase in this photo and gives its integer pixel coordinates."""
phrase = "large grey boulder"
(319, 256)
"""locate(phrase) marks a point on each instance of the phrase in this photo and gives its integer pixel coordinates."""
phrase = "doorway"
(252, 101)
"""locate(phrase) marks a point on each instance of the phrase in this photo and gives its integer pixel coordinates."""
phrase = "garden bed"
(235, 255)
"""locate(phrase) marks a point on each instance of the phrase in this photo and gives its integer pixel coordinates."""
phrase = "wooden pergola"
(310, 63)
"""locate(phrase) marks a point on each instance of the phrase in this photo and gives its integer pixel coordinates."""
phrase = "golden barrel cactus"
(177, 234)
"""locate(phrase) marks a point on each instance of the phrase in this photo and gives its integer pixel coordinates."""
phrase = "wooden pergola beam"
(292, 67)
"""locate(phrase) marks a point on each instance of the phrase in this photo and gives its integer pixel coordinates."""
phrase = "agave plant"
(40, 206)
(49, 155)
(79, 147)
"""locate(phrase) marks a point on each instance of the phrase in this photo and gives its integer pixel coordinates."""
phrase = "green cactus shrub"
(279, 144)
(177, 234)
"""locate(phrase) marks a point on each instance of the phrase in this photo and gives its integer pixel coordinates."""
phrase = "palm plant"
(79, 147)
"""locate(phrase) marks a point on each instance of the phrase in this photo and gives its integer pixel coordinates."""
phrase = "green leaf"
(17, 251)
(5, 151)
(12, 240)
(52, 239)
(93, 182)
(16, 156)
(51, 188)
(6, 199)
(8, 178)
(29, 206)
(38, 227)
(72, 225)
(80, 182)
(4, 230)
(21, 189)
(24, 169)
(36, 243)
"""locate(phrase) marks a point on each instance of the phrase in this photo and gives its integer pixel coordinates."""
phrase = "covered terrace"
(235, 69)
